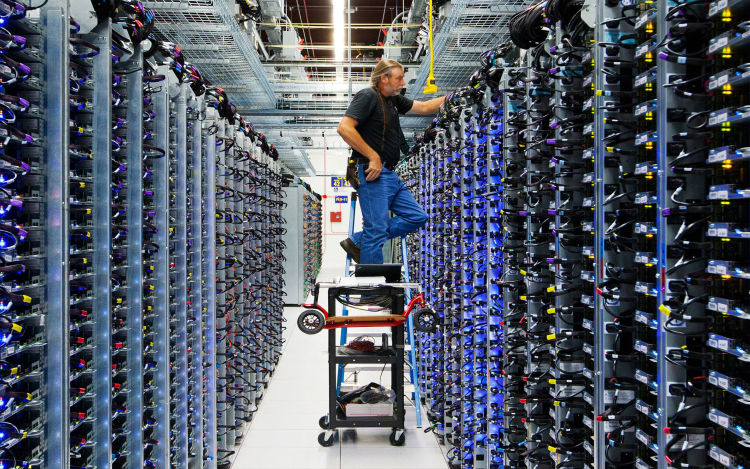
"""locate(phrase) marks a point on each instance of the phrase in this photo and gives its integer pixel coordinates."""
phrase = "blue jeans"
(376, 198)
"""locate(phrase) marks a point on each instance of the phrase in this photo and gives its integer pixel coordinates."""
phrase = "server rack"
(624, 143)
(106, 223)
(196, 280)
(249, 275)
(54, 19)
(514, 288)
(458, 401)
(208, 288)
(302, 241)
(313, 236)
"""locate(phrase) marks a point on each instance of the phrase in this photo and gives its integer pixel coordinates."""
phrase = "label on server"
(719, 418)
(718, 454)
(717, 6)
(643, 437)
(588, 422)
(588, 447)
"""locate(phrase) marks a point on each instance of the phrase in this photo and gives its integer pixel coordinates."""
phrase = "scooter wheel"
(425, 320)
(311, 321)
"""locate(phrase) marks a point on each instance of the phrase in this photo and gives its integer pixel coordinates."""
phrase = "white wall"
(328, 163)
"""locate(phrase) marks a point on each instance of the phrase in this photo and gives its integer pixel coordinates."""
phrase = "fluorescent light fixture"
(338, 35)
(338, 28)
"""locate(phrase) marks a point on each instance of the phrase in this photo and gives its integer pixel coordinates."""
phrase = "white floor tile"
(401, 457)
(285, 438)
(279, 457)
(281, 420)
(372, 437)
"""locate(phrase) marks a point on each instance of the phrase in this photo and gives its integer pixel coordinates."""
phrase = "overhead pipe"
(416, 16)
(262, 46)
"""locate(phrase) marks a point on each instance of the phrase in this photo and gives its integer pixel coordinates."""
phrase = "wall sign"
(339, 182)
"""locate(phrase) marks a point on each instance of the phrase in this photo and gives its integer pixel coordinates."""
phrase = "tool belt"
(351, 173)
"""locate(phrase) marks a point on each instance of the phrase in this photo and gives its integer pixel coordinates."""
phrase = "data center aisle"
(283, 434)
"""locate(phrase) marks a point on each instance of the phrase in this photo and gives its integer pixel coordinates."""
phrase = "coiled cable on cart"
(383, 301)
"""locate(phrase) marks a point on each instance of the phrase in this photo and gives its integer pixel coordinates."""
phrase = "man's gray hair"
(383, 67)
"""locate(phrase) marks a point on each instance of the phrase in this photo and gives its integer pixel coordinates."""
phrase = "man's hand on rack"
(373, 169)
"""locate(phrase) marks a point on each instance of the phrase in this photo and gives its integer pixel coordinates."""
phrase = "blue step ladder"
(413, 370)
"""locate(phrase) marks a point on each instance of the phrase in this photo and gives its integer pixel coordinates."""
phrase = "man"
(371, 127)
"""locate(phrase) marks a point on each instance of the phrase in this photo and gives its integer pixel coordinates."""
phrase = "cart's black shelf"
(366, 358)
(349, 422)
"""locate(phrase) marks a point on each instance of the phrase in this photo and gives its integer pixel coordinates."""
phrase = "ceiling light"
(338, 34)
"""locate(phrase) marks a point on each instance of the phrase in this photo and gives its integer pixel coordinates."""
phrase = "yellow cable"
(431, 87)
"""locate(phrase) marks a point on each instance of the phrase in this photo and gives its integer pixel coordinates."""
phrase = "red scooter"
(315, 318)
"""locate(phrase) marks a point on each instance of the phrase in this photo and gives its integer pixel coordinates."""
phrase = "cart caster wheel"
(425, 320)
(325, 438)
(311, 321)
(397, 438)
(323, 422)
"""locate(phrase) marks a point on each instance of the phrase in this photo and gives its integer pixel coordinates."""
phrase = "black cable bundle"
(139, 20)
(527, 27)
(221, 103)
(250, 11)
(430, 133)
(105, 9)
(563, 10)
(193, 76)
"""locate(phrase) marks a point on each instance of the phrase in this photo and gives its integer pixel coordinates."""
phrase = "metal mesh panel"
(472, 27)
(210, 38)
(176, 20)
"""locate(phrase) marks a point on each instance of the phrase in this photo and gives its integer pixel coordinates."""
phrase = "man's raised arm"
(427, 107)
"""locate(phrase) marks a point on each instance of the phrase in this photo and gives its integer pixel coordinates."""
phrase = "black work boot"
(351, 249)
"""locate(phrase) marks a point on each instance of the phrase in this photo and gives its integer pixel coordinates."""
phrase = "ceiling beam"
(492, 10)
(332, 47)
(311, 114)
(328, 63)
(328, 127)
(317, 147)
(352, 26)
(316, 86)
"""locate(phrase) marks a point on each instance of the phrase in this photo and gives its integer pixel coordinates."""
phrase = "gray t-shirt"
(367, 110)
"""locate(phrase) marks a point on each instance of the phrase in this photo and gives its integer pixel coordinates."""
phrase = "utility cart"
(390, 296)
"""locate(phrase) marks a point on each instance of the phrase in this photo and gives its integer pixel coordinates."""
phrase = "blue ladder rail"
(344, 310)
(413, 370)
